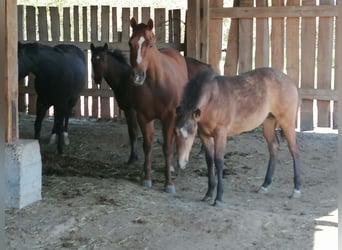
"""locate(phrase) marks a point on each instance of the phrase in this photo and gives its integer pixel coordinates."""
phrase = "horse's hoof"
(296, 194)
(66, 138)
(207, 198)
(218, 203)
(147, 183)
(172, 169)
(263, 190)
(131, 161)
(53, 139)
(170, 189)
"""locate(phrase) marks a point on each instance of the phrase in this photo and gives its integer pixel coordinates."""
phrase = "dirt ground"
(92, 200)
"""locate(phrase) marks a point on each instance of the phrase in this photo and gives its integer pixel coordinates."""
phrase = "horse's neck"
(155, 69)
(117, 73)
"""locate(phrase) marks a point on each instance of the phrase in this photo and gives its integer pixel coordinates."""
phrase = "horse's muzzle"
(138, 77)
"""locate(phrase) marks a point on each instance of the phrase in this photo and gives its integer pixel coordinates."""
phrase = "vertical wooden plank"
(76, 24)
(176, 24)
(85, 24)
(245, 40)
(337, 116)
(324, 64)
(170, 35)
(31, 23)
(215, 34)
(55, 27)
(94, 38)
(105, 23)
(20, 13)
(292, 45)
(42, 24)
(308, 38)
(126, 25)
(262, 38)
(159, 24)
(11, 73)
(66, 24)
(93, 24)
(145, 14)
(192, 32)
(136, 13)
(105, 105)
(277, 39)
(232, 56)
(114, 25)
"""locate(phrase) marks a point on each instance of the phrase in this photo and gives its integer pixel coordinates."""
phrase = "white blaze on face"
(140, 42)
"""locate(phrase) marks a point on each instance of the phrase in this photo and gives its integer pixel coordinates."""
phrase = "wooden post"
(204, 34)
(11, 72)
(262, 44)
(192, 35)
(308, 38)
(3, 61)
(277, 39)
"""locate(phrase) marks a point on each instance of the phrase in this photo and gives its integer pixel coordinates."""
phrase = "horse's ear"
(133, 23)
(150, 24)
(196, 113)
(106, 46)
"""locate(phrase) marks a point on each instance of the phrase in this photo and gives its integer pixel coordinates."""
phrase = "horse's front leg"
(208, 146)
(133, 130)
(168, 149)
(147, 129)
(220, 142)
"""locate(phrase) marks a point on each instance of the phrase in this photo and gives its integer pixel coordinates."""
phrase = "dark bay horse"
(113, 66)
(60, 76)
(220, 106)
(115, 69)
(159, 77)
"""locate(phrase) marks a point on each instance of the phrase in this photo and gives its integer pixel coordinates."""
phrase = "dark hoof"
(147, 183)
(170, 189)
(132, 160)
(218, 203)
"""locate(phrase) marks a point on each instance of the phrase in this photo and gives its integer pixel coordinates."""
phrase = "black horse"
(115, 69)
(60, 73)
(113, 66)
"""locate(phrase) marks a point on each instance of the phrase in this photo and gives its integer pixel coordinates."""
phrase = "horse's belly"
(245, 124)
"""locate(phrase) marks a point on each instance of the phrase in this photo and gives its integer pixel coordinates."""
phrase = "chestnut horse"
(159, 78)
(220, 106)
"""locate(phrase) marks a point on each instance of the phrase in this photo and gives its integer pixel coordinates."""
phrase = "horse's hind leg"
(269, 132)
(59, 119)
(41, 111)
(290, 135)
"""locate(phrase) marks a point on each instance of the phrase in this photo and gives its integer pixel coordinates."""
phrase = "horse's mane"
(119, 56)
(194, 89)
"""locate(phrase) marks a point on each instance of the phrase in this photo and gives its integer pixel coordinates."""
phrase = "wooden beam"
(288, 11)
(2, 118)
(11, 72)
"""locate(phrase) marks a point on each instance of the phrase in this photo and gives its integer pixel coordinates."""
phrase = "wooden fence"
(299, 39)
(81, 26)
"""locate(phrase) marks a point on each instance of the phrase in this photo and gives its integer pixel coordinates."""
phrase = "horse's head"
(99, 61)
(141, 44)
(186, 130)
(25, 60)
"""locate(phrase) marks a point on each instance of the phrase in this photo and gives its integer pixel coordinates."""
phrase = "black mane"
(194, 89)
(119, 56)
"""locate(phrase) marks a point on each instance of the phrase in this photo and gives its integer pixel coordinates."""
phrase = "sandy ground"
(92, 200)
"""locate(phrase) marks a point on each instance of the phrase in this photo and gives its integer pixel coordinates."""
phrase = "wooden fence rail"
(81, 25)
